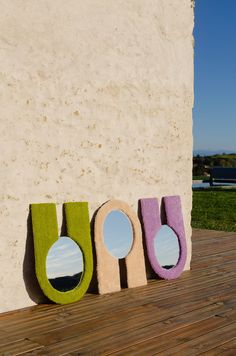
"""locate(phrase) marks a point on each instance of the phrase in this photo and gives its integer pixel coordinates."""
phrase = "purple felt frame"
(150, 214)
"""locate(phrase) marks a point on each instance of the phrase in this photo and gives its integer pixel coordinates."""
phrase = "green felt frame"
(45, 234)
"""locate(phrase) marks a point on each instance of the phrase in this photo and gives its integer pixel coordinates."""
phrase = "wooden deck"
(192, 315)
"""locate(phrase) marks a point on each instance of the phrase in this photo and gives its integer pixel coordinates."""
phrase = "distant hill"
(65, 283)
(203, 164)
(211, 152)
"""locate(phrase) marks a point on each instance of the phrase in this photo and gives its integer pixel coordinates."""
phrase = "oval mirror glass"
(64, 264)
(118, 234)
(167, 249)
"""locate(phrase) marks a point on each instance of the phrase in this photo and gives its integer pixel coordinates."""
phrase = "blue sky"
(215, 75)
(166, 246)
(118, 234)
(64, 258)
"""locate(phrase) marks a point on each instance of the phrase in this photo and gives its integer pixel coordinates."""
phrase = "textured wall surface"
(96, 103)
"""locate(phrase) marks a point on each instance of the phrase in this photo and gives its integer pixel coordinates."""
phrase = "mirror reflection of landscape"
(118, 234)
(167, 247)
(64, 264)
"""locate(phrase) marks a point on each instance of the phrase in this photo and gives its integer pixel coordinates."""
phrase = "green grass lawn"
(214, 209)
(198, 177)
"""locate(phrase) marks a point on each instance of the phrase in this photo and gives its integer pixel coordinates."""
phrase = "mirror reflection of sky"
(166, 246)
(118, 234)
(64, 258)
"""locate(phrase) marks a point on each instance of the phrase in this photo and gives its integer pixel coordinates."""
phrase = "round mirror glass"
(166, 245)
(64, 264)
(118, 234)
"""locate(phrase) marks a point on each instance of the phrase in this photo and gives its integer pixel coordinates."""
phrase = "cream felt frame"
(108, 272)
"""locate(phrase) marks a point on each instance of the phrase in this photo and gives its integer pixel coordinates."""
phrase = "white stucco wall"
(96, 103)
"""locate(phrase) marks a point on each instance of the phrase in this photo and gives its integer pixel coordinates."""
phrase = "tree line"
(203, 164)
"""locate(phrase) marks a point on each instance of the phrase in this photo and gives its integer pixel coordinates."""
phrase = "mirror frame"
(45, 234)
(150, 214)
(108, 272)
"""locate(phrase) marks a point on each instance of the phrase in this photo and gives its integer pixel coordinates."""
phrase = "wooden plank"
(18, 347)
(213, 260)
(203, 234)
(173, 314)
(64, 310)
(215, 242)
(179, 336)
(130, 326)
(203, 343)
(154, 336)
(207, 239)
(148, 315)
(3, 334)
(227, 348)
(156, 290)
(213, 248)
(198, 234)
(32, 327)
(36, 326)
(106, 340)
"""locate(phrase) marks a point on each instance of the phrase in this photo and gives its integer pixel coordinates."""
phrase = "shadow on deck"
(188, 316)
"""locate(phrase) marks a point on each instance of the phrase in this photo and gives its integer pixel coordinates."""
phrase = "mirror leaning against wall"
(64, 263)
